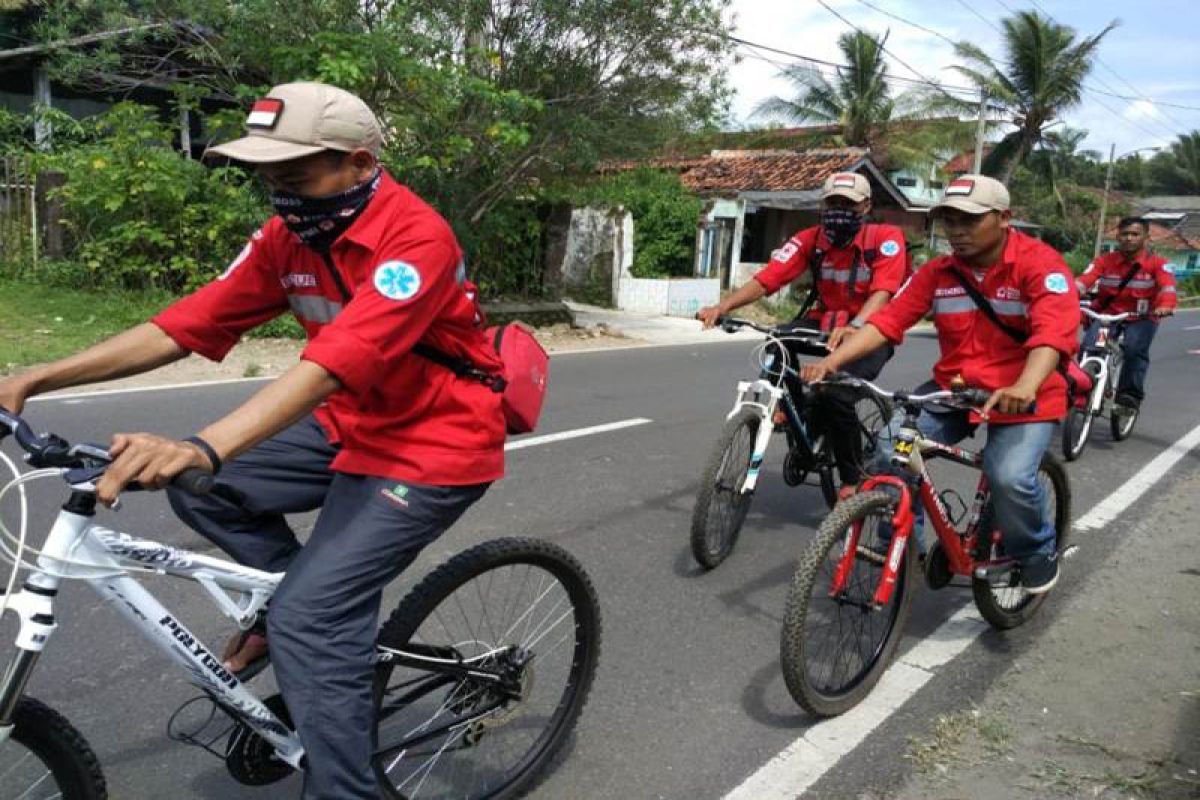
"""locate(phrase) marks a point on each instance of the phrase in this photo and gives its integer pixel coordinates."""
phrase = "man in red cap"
(856, 267)
(390, 446)
(1013, 352)
(1131, 279)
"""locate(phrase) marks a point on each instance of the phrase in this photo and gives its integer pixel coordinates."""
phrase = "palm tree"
(1186, 152)
(857, 99)
(1041, 77)
(1058, 157)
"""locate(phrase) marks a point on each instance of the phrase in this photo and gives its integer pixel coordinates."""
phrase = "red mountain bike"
(851, 593)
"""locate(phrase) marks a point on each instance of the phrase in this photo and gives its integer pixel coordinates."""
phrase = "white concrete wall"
(678, 297)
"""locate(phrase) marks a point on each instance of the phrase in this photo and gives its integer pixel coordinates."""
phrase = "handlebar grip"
(194, 480)
(975, 397)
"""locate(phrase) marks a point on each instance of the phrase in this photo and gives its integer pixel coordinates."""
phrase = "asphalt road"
(689, 700)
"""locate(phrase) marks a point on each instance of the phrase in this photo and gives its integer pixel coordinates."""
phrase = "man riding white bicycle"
(1131, 279)
(391, 447)
(1011, 348)
(856, 267)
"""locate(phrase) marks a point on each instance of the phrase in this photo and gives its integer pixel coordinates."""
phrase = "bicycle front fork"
(902, 527)
(34, 606)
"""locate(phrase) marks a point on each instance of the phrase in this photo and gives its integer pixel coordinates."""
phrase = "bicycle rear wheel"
(45, 757)
(521, 608)
(1002, 601)
(721, 505)
(833, 650)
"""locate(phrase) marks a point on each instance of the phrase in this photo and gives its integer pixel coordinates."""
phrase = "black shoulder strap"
(983, 305)
(814, 267)
(1133, 270)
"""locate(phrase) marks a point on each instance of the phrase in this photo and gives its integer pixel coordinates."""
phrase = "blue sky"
(1156, 48)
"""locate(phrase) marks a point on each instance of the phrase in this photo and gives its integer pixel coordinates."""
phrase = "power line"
(971, 8)
(896, 58)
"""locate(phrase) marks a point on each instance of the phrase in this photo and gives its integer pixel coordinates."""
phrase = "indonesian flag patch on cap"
(960, 186)
(844, 180)
(265, 113)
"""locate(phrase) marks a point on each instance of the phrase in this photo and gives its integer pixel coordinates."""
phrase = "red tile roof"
(753, 170)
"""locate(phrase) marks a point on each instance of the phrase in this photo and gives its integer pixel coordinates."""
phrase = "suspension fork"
(902, 526)
(34, 607)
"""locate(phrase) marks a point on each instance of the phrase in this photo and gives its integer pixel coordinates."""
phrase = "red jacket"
(398, 415)
(886, 273)
(1151, 287)
(1030, 289)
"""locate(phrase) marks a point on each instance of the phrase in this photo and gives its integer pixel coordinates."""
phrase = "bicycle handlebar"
(968, 398)
(731, 324)
(1104, 317)
(50, 450)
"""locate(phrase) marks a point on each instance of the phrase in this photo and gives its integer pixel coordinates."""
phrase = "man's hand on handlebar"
(1159, 313)
(13, 394)
(150, 460)
(1015, 399)
(818, 370)
(709, 315)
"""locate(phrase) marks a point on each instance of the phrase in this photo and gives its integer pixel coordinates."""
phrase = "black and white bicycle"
(459, 712)
(734, 466)
(1102, 362)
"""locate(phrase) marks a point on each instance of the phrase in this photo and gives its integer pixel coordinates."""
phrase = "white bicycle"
(458, 710)
(1102, 362)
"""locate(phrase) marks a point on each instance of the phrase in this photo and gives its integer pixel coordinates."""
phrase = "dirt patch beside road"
(1107, 704)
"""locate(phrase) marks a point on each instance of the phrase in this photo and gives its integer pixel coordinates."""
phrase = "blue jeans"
(1135, 348)
(1010, 460)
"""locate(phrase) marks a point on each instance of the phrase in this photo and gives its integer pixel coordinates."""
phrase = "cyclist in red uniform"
(1131, 279)
(390, 446)
(857, 267)
(1029, 288)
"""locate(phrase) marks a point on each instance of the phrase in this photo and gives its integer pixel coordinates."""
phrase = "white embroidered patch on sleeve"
(890, 248)
(397, 280)
(1057, 283)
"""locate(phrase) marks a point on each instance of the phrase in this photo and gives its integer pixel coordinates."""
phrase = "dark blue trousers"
(323, 619)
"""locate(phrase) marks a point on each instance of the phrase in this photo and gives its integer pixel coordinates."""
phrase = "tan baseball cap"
(847, 184)
(974, 194)
(299, 119)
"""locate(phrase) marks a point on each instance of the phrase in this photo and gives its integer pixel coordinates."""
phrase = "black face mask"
(319, 221)
(841, 225)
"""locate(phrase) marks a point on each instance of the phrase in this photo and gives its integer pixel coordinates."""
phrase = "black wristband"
(207, 449)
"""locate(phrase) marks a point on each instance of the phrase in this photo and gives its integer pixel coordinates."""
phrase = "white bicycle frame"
(1103, 364)
(77, 548)
(763, 397)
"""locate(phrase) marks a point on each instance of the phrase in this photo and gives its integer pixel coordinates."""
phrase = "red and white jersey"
(398, 415)
(1151, 287)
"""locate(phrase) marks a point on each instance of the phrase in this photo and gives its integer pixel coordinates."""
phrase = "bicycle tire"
(418, 623)
(828, 486)
(61, 752)
(1076, 429)
(810, 583)
(1017, 605)
(1122, 424)
(713, 535)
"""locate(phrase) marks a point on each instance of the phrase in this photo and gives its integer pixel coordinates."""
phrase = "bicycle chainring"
(251, 759)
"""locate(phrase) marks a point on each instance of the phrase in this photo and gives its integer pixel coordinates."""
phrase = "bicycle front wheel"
(721, 505)
(45, 757)
(1076, 429)
(521, 609)
(834, 648)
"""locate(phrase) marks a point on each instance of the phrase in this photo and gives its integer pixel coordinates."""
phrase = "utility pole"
(981, 129)
(1112, 152)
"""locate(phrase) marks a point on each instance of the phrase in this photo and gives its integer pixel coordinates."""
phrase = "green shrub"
(665, 218)
(141, 216)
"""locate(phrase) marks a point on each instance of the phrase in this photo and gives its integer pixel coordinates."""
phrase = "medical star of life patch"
(889, 248)
(397, 280)
(1056, 283)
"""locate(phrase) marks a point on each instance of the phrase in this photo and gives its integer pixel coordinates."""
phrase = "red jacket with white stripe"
(886, 272)
(1152, 287)
(398, 415)
(1030, 289)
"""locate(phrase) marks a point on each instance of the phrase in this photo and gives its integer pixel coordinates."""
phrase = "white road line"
(1107, 509)
(534, 441)
(807, 759)
(133, 389)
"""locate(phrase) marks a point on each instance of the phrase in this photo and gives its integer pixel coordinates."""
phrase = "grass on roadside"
(40, 322)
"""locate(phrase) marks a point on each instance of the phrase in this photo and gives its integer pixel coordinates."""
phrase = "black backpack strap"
(814, 267)
(983, 305)
(1120, 287)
